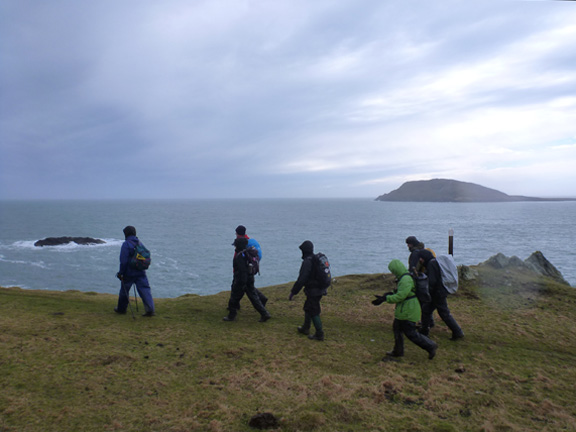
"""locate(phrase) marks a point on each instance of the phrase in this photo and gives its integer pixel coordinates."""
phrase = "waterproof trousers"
(403, 328)
(236, 294)
(439, 302)
(144, 291)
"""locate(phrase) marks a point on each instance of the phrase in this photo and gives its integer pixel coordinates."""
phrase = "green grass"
(69, 363)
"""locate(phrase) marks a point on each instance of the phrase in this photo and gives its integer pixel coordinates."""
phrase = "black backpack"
(421, 287)
(322, 270)
(253, 260)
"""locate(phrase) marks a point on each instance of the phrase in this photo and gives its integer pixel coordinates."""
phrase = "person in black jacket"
(314, 293)
(439, 295)
(243, 283)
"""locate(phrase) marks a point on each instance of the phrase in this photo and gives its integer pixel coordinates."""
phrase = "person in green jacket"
(407, 312)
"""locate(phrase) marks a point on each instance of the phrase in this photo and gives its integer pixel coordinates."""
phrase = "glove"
(119, 276)
(379, 300)
(290, 297)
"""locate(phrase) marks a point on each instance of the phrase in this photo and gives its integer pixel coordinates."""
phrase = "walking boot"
(394, 354)
(303, 330)
(457, 336)
(229, 318)
(319, 336)
(432, 352)
(265, 317)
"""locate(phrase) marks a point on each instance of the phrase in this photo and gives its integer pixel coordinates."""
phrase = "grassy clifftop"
(68, 363)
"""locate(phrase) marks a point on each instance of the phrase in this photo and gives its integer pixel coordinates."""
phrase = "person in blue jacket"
(129, 276)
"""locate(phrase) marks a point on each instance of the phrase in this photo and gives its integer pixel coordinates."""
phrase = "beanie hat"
(129, 231)
(412, 241)
(425, 255)
(241, 230)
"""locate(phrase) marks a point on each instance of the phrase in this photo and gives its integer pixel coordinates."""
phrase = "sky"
(286, 98)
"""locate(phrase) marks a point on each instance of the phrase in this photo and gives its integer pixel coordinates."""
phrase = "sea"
(191, 240)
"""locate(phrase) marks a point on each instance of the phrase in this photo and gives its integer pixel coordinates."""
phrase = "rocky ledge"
(536, 263)
(57, 241)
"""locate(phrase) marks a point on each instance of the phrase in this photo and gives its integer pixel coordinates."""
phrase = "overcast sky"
(284, 98)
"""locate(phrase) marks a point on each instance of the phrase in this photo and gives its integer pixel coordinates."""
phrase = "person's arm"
(303, 277)
(124, 257)
(405, 288)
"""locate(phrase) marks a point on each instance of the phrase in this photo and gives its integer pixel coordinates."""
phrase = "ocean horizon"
(190, 240)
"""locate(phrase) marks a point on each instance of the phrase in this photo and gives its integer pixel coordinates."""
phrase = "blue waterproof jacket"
(126, 253)
(253, 243)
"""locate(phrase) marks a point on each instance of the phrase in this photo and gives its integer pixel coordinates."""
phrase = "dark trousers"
(439, 302)
(403, 328)
(238, 292)
(144, 291)
(312, 312)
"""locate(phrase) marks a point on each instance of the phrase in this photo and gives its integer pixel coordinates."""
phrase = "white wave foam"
(29, 244)
(40, 264)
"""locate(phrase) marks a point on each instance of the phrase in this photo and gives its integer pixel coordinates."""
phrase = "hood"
(240, 243)
(307, 248)
(397, 268)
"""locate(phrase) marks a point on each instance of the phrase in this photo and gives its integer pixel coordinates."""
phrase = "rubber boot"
(305, 328)
(319, 335)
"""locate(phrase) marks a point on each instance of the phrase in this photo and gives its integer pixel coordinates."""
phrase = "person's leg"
(252, 295)
(398, 350)
(123, 296)
(444, 312)
(409, 330)
(305, 328)
(427, 317)
(236, 294)
(145, 293)
(312, 308)
(262, 297)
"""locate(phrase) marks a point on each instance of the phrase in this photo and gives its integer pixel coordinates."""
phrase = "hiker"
(129, 276)
(438, 294)
(406, 314)
(313, 291)
(414, 246)
(243, 283)
(241, 233)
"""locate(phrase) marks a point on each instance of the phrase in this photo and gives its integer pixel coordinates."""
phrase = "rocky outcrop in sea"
(58, 241)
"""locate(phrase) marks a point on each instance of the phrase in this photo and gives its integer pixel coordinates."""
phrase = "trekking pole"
(135, 298)
(128, 295)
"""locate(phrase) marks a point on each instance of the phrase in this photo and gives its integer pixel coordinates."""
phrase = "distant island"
(443, 190)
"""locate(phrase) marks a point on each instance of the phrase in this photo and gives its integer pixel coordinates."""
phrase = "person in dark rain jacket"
(243, 283)
(439, 295)
(314, 293)
(241, 233)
